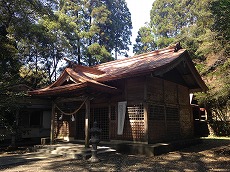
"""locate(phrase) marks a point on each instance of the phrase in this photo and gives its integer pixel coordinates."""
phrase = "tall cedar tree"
(168, 17)
(119, 31)
(144, 41)
(95, 29)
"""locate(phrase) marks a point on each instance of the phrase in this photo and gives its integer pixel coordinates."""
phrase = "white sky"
(140, 14)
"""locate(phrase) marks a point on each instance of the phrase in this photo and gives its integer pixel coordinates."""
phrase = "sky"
(140, 14)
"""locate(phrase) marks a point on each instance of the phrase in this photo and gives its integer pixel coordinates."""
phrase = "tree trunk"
(78, 51)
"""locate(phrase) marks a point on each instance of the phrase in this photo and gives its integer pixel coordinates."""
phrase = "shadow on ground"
(202, 157)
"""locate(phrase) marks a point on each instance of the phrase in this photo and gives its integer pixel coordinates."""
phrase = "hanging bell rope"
(71, 113)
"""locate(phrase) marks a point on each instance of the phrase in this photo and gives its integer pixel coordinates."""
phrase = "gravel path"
(211, 155)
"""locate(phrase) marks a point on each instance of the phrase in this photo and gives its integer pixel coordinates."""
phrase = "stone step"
(72, 151)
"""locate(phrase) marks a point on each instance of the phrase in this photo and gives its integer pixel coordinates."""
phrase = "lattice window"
(135, 112)
(113, 113)
(167, 120)
(101, 115)
(80, 124)
(156, 112)
(172, 114)
(134, 123)
(173, 124)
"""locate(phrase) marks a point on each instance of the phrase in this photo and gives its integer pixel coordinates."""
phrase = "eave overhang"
(75, 88)
(193, 73)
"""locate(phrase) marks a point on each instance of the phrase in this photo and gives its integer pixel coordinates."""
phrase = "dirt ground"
(211, 155)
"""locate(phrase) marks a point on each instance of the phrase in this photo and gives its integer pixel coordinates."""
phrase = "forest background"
(35, 36)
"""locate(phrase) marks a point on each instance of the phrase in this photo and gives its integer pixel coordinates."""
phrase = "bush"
(220, 128)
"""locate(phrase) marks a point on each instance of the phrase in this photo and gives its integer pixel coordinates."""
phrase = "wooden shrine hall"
(144, 98)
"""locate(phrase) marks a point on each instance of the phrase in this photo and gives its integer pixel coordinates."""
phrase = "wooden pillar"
(145, 106)
(87, 122)
(146, 122)
(52, 128)
(109, 121)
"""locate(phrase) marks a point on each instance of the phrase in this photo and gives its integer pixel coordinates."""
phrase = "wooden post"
(109, 121)
(146, 121)
(145, 106)
(52, 124)
(87, 122)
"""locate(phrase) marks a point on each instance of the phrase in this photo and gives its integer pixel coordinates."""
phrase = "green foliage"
(215, 47)
(9, 62)
(17, 20)
(85, 23)
(33, 78)
(220, 128)
(217, 99)
(36, 35)
(202, 27)
(144, 41)
(201, 68)
(119, 30)
(45, 32)
(168, 17)
(220, 12)
(99, 53)
(9, 106)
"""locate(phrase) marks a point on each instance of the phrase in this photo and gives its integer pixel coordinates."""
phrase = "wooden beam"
(66, 100)
(52, 124)
(87, 122)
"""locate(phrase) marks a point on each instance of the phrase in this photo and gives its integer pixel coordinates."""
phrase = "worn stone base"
(70, 150)
(155, 149)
